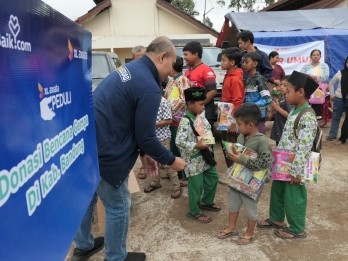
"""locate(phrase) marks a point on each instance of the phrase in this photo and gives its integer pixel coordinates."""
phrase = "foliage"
(187, 6)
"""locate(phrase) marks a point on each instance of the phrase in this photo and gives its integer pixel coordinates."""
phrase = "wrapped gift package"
(242, 179)
(225, 117)
(282, 165)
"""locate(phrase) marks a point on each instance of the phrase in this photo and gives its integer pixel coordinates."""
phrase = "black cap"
(195, 94)
(301, 80)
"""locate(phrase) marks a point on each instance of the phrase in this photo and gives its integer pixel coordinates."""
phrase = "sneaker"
(82, 255)
(135, 256)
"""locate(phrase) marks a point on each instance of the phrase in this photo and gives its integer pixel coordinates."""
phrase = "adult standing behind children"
(174, 93)
(246, 43)
(289, 199)
(319, 72)
(125, 109)
(278, 71)
(201, 75)
(232, 89)
(339, 103)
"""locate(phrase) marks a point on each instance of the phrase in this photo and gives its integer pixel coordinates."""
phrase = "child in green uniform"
(248, 117)
(289, 199)
(202, 177)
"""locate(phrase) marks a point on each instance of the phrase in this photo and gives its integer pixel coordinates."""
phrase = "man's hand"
(150, 166)
(178, 164)
(234, 157)
(201, 145)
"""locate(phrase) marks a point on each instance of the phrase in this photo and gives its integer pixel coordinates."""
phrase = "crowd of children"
(185, 120)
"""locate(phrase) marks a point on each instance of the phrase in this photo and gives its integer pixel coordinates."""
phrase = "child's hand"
(275, 104)
(201, 145)
(294, 180)
(234, 157)
(232, 128)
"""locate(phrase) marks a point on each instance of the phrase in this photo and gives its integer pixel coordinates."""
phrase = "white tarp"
(294, 57)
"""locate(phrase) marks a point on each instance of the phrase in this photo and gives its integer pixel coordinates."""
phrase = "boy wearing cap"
(290, 198)
(202, 177)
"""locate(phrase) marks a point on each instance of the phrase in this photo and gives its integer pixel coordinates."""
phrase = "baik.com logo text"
(9, 40)
(52, 100)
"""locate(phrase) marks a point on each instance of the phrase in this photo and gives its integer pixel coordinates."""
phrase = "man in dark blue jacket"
(246, 43)
(125, 108)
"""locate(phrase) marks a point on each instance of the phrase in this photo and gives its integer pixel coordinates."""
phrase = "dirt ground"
(159, 226)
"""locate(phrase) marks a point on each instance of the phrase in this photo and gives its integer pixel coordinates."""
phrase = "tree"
(208, 22)
(187, 6)
(247, 5)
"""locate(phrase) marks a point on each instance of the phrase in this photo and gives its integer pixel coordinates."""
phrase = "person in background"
(339, 104)
(125, 108)
(282, 109)
(246, 43)
(232, 89)
(174, 93)
(138, 52)
(256, 90)
(319, 72)
(201, 75)
(278, 71)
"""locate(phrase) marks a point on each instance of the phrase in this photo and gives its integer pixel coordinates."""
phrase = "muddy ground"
(159, 226)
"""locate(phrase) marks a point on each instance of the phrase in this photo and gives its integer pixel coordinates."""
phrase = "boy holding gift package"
(200, 168)
(248, 117)
(289, 199)
(232, 89)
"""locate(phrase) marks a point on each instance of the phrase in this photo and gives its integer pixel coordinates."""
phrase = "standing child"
(174, 93)
(232, 89)
(256, 90)
(164, 119)
(201, 75)
(289, 199)
(282, 109)
(248, 117)
(202, 177)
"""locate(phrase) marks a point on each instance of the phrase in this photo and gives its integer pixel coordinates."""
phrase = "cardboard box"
(133, 187)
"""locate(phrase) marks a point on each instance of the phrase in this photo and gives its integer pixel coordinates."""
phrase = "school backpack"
(318, 137)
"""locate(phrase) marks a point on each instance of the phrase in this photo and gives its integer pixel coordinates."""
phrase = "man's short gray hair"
(161, 44)
(138, 49)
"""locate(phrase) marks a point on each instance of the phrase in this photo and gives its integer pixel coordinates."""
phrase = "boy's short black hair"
(246, 36)
(253, 56)
(179, 64)
(233, 54)
(285, 78)
(272, 54)
(249, 112)
(194, 48)
(300, 80)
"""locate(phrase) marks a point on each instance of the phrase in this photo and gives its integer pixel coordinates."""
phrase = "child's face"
(294, 96)
(245, 127)
(196, 107)
(249, 64)
(283, 87)
(190, 58)
(226, 64)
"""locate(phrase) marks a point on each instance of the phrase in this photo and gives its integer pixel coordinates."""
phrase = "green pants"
(202, 184)
(289, 200)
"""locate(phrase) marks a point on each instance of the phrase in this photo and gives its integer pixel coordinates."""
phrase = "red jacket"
(233, 88)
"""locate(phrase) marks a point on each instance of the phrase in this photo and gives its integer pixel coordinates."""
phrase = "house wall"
(343, 4)
(137, 22)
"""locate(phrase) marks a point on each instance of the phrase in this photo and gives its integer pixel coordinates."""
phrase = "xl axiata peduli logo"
(51, 100)
(9, 40)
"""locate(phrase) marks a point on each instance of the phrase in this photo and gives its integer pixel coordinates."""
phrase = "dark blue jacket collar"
(149, 63)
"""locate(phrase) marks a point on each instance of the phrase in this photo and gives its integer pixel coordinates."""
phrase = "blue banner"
(48, 157)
